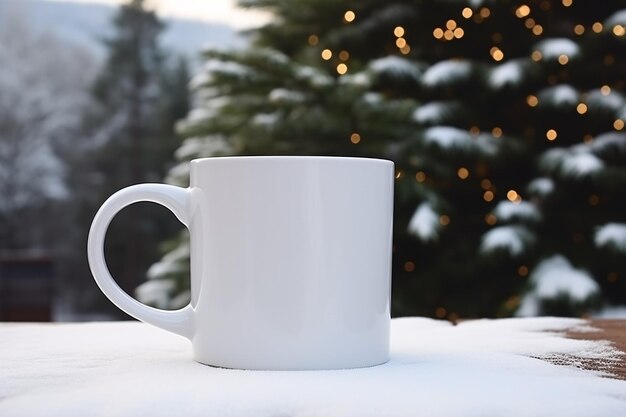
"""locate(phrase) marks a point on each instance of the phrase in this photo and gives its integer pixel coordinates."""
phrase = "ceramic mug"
(290, 260)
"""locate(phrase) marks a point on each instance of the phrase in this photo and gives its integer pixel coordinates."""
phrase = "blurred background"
(505, 120)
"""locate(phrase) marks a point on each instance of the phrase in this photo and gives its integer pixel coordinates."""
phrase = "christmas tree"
(503, 119)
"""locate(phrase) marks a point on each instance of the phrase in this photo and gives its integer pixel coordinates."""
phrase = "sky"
(223, 11)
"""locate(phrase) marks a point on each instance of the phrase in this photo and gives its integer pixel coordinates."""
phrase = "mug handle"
(176, 199)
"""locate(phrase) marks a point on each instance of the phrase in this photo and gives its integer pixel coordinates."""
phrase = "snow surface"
(446, 72)
(477, 368)
(425, 222)
(554, 277)
(523, 210)
(509, 73)
(611, 235)
(611, 312)
(553, 48)
(395, 67)
(559, 95)
(512, 239)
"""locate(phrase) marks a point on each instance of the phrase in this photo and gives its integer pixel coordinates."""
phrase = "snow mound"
(609, 143)
(541, 186)
(446, 72)
(554, 277)
(435, 112)
(611, 235)
(611, 102)
(574, 162)
(395, 67)
(452, 138)
(507, 211)
(559, 95)
(511, 239)
(617, 18)
(553, 48)
(510, 73)
(425, 222)
(493, 367)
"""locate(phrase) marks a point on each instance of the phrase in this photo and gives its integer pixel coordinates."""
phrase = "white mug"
(290, 260)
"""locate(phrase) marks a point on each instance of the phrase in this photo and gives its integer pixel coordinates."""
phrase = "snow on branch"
(559, 95)
(617, 18)
(452, 138)
(541, 186)
(511, 239)
(510, 73)
(446, 72)
(597, 100)
(425, 223)
(436, 112)
(554, 277)
(553, 48)
(609, 143)
(574, 162)
(523, 210)
(395, 67)
(611, 235)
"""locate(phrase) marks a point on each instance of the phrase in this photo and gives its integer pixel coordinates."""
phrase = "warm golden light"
(409, 266)
(467, 13)
(536, 56)
(579, 29)
(400, 42)
(588, 138)
(512, 195)
(532, 101)
(496, 132)
(349, 16)
(566, 3)
(440, 312)
(462, 173)
(488, 196)
(618, 124)
(551, 134)
(420, 176)
(496, 54)
(342, 69)
(618, 30)
(398, 31)
(355, 138)
(563, 59)
(474, 130)
(438, 33)
(496, 37)
(399, 174)
(451, 24)
(313, 40)
(444, 220)
(537, 30)
(344, 55)
(522, 11)
(581, 108)
(605, 90)
(529, 23)
(522, 271)
(405, 49)
(458, 33)
(597, 27)
(491, 219)
(484, 12)
(448, 35)
(486, 184)
(327, 54)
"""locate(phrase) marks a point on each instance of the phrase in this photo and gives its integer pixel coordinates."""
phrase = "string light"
(485, 12)
(551, 134)
(532, 101)
(581, 108)
(609, 59)
(537, 30)
(536, 56)
(344, 55)
(440, 312)
(420, 176)
(467, 13)
(444, 220)
(579, 29)
(405, 49)
(313, 40)
(400, 42)
(486, 184)
(496, 132)
(605, 90)
(355, 138)
(529, 23)
(462, 173)
(409, 266)
(349, 16)
(438, 33)
(618, 124)
(597, 27)
(513, 196)
(618, 30)
(545, 5)
(496, 53)
(563, 59)
(522, 11)
(327, 54)
(448, 35)
(488, 196)
(588, 138)
(451, 24)
(491, 219)
(342, 69)
(593, 200)
(458, 33)
(474, 130)
(399, 174)
(522, 271)
(398, 31)
(567, 3)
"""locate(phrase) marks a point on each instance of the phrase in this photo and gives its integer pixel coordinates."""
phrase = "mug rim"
(293, 157)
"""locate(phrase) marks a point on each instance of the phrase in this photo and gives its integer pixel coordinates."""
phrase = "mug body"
(291, 261)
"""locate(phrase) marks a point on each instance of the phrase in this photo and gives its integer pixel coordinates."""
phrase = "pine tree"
(502, 117)
(139, 95)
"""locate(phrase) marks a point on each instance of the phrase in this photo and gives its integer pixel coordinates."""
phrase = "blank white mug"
(290, 260)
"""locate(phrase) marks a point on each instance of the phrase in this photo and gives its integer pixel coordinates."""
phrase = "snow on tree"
(503, 119)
